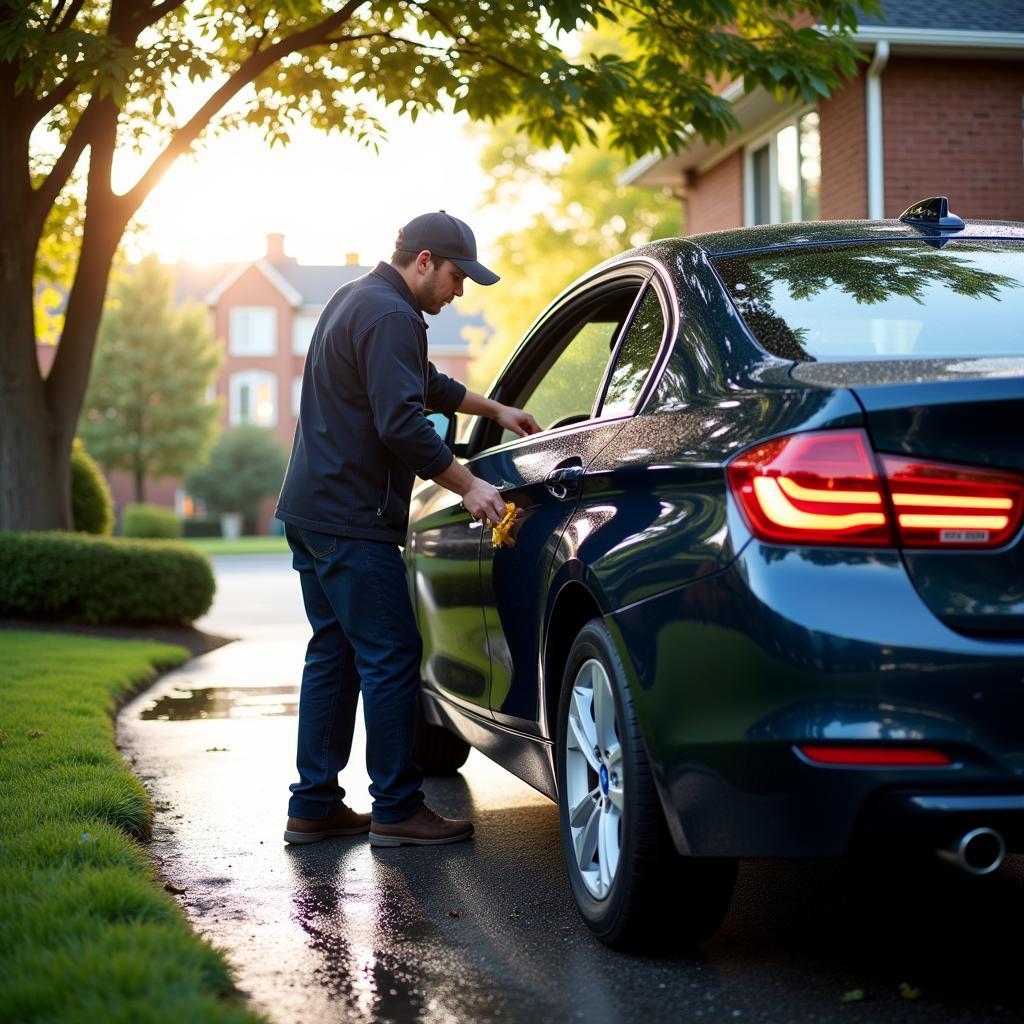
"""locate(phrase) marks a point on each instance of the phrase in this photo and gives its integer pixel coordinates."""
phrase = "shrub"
(197, 527)
(98, 580)
(144, 520)
(92, 508)
(246, 464)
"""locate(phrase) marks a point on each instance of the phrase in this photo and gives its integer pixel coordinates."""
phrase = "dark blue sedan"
(766, 592)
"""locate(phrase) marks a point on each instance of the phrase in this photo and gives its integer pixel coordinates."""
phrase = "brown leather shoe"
(344, 822)
(424, 828)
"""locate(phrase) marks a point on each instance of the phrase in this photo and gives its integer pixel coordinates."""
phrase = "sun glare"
(326, 194)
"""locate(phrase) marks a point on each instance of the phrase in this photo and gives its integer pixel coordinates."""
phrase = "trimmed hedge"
(99, 580)
(154, 521)
(198, 527)
(92, 508)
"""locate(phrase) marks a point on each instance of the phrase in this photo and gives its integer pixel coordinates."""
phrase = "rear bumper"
(907, 822)
(786, 647)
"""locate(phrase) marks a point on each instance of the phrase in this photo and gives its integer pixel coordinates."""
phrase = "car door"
(559, 375)
(443, 555)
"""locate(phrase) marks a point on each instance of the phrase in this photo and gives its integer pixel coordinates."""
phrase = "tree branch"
(59, 94)
(54, 15)
(154, 14)
(72, 12)
(45, 195)
(244, 75)
(467, 44)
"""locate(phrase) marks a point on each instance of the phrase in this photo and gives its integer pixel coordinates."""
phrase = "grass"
(88, 934)
(241, 546)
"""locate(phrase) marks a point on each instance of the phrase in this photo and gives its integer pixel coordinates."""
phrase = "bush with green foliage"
(246, 464)
(140, 519)
(92, 508)
(99, 580)
(201, 527)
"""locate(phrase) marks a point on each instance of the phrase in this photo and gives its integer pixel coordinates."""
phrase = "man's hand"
(518, 421)
(483, 501)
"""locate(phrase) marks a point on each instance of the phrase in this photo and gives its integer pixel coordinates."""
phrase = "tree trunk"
(34, 477)
(35, 492)
(140, 483)
(66, 385)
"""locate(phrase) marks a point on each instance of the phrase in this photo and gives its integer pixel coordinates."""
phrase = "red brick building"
(263, 313)
(936, 110)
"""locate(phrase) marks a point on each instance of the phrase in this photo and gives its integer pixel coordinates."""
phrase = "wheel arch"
(572, 606)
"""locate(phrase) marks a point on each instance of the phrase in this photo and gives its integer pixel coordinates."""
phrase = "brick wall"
(844, 175)
(714, 201)
(954, 128)
(253, 289)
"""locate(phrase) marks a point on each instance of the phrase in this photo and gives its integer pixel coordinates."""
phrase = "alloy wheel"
(594, 778)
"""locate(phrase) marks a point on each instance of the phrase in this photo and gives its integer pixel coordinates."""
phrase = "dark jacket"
(362, 436)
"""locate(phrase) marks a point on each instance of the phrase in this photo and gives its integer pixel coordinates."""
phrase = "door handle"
(564, 480)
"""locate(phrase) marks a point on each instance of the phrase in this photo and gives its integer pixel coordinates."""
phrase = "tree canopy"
(82, 79)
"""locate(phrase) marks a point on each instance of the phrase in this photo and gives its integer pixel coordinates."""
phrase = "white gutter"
(959, 39)
(876, 148)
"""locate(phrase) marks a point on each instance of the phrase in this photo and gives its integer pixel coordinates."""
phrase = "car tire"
(436, 750)
(635, 891)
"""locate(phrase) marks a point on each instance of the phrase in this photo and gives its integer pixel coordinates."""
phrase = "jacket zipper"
(387, 494)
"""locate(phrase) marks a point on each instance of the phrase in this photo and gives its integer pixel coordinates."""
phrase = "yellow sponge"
(502, 533)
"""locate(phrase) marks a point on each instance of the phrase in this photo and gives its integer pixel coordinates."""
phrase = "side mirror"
(445, 427)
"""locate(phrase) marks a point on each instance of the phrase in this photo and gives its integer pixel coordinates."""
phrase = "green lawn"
(88, 933)
(242, 546)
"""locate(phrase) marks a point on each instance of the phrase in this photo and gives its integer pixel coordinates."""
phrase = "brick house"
(263, 313)
(935, 110)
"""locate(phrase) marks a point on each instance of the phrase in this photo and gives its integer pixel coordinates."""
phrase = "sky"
(327, 194)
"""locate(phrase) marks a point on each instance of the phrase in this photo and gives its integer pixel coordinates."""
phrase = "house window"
(783, 173)
(253, 398)
(296, 395)
(302, 332)
(253, 331)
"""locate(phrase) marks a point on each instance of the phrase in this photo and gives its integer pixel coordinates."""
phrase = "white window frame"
(239, 346)
(301, 339)
(296, 395)
(252, 378)
(770, 138)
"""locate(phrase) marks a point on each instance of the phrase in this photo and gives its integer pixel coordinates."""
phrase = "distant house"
(936, 110)
(263, 312)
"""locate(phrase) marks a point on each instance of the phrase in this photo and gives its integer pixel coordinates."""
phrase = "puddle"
(183, 705)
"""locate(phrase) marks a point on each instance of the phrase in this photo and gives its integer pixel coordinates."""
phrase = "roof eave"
(655, 170)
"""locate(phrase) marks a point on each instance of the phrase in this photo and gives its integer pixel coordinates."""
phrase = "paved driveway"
(486, 931)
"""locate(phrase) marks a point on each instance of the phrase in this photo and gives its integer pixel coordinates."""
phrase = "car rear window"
(882, 300)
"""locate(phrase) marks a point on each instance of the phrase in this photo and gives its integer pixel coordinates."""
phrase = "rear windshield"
(882, 300)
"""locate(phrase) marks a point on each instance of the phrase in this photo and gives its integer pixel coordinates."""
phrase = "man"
(361, 439)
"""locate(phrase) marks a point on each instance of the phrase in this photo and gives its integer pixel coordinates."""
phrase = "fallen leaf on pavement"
(907, 991)
(455, 913)
(855, 995)
(172, 888)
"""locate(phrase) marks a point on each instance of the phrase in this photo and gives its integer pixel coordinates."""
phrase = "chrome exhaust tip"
(978, 852)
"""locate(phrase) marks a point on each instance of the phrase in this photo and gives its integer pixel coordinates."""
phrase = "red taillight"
(940, 505)
(820, 488)
(866, 756)
(825, 488)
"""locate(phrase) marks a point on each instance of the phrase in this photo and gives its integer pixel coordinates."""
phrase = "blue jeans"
(364, 639)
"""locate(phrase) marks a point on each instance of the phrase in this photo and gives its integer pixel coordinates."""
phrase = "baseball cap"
(446, 236)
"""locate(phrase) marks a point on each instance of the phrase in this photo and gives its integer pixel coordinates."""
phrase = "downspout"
(876, 149)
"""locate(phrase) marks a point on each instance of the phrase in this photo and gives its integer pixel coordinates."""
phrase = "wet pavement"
(486, 930)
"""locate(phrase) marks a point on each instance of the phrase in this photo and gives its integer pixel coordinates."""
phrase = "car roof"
(780, 236)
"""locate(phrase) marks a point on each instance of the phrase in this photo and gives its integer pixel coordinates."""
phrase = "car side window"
(636, 356)
(562, 385)
(567, 391)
